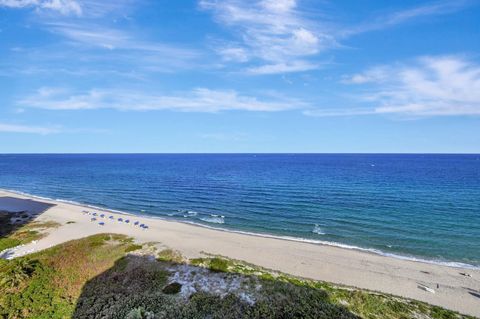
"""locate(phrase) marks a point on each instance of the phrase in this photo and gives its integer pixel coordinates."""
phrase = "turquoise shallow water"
(411, 206)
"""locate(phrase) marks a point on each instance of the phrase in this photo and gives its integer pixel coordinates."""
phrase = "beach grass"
(108, 276)
(170, 255)
(11, 236)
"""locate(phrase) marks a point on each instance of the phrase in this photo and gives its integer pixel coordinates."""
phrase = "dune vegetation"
(110, 276)
(12, 235)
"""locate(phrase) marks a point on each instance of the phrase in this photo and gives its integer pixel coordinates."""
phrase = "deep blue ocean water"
(420, 206)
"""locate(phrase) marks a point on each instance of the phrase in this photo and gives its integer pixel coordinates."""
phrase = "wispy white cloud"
(275, 36)
(114, 9)
(294, 66)
(89, 35)
(64, 7)
(197, 100)
(403, 16)
(86, 48)
(126, 50)
(79, 8)
(272, 35)
(15, 128)
(431, 86)
(375, 74)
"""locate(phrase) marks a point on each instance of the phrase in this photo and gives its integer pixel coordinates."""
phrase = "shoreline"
(378, 252)
(343, 266)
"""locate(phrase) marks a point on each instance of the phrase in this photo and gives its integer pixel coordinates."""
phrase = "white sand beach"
(411, 279)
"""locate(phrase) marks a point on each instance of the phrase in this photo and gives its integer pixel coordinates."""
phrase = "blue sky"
(239, 76)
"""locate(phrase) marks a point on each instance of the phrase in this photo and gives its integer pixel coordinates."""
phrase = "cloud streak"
(15, 128)
(431, 86)
(108, 38)
(197, 100)
(90, 49)
(403, 16)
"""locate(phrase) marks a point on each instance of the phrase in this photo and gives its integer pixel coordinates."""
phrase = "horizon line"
(242, 153)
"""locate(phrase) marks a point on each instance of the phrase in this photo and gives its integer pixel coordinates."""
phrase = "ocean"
(424, 207)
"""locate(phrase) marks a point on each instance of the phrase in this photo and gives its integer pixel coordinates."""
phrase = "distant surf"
(215, 219)
(318, 230)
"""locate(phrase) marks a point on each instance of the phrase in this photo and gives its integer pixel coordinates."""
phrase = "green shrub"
(170, 255)
(133, 247)
(172, 289)
(218, 264)
(140, 313)
(14, 273)
(6, 243)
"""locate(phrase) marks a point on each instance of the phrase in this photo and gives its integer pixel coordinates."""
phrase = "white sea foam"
(318, 230)
(67, 201)
(215, 219)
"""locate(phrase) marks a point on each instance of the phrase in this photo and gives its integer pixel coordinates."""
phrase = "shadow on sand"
(474, 293)
(142, 287)
(16, 212)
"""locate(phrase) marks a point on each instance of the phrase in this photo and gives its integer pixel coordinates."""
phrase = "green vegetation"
(47, 284)
(216, 264)
(170, 256)
(10, 236)
(173, 288)
(95, 278)
(133, 247)
(140, 313)
(364, 303)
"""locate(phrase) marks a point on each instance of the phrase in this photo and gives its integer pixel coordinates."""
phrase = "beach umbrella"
(93, 219)
(101, 224)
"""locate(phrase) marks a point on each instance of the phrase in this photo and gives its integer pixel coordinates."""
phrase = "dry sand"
(333, 264)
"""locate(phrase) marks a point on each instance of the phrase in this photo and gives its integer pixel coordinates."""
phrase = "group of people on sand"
(98, 216)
